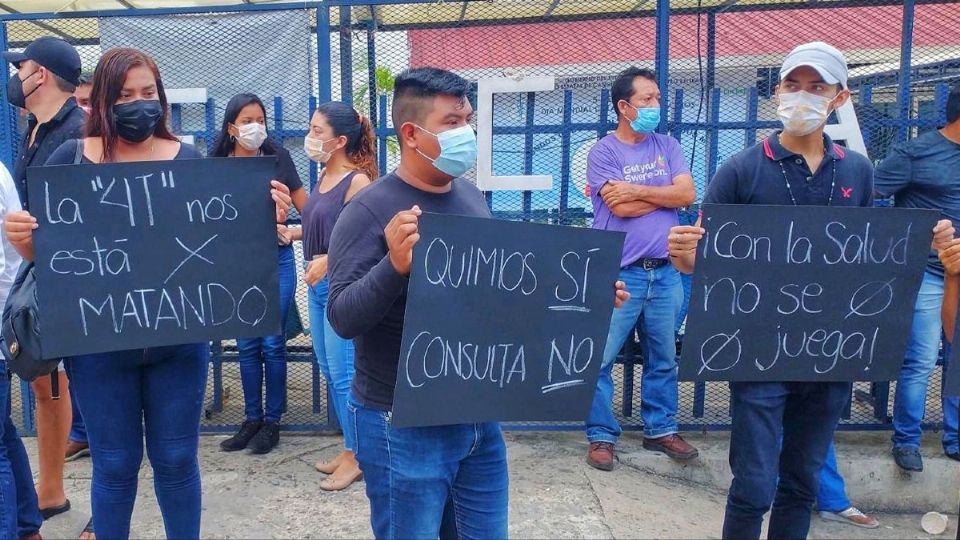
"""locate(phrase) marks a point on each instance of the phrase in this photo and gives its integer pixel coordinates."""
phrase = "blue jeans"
(78, 431)
(951, 408)
(658, 296)
(414, 476)
(832, 494)
(126, 395)
(918, 363)
(19, 513)
(335, 357)
(805, 415)
(267, 356)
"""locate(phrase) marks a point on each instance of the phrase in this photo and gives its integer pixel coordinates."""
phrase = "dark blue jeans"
(19, 514)
(806, 416)
(126, 396)
(951, 407)
(268, 352)
(78, 431)
(416, 475)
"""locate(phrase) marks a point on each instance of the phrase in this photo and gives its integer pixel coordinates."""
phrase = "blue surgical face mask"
(647, 120)
(458, 150)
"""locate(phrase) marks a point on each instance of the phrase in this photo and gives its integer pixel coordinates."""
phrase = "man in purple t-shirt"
(637, 180)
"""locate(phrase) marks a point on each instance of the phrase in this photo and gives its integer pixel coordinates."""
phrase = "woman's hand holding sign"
(19, 228)
(281, 197)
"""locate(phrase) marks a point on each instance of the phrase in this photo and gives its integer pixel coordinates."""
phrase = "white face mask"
(251, 136)
(314, 149)
(802, 112)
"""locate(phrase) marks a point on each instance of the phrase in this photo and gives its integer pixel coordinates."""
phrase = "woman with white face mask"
(344, 143)
(262, 360)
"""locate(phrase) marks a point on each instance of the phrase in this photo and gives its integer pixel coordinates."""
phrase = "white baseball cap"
(825, 59)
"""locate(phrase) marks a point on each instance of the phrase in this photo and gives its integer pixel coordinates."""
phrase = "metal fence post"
(7, 113)
(346, 57)
(906, 60)
(324, 81)
(372, 73)
(663, 60)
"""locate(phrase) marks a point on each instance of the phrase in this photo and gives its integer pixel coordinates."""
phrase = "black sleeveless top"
(320, 214)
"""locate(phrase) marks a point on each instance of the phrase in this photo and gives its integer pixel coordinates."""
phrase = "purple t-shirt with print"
(654, 162)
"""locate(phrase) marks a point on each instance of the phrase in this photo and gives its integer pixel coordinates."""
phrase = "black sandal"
(48, 513)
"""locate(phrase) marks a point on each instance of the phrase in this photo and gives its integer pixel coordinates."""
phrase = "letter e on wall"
(486, 88)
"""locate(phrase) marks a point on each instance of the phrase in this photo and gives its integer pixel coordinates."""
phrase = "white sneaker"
(852, 516)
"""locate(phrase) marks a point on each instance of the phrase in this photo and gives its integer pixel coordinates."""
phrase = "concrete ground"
(554, 494)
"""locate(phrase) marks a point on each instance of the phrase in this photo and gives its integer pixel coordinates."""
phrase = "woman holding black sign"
(154, 393)
(344, 142)
(262, 360)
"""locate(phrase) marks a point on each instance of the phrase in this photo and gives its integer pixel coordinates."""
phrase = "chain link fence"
(717, 62)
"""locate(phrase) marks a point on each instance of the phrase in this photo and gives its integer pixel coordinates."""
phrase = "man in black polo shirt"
(797, 166)
(48, 72)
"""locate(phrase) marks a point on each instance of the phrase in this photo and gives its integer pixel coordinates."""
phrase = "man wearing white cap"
(798, 166)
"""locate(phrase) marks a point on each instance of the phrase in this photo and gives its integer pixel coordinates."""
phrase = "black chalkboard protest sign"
(504, 321)
(145, 254)
(804, 293)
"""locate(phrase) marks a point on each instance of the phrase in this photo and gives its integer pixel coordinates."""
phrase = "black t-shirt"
(285, 171)
(67, 124)
(367, 296)
(67, 153)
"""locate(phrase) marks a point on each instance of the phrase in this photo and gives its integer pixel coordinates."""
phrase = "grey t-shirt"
(923, 173)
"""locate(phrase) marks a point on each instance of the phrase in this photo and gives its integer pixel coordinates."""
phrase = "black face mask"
(15, 90)
(137, 120)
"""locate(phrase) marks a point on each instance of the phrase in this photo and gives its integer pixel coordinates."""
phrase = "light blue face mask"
(458, 150)
(647, 120)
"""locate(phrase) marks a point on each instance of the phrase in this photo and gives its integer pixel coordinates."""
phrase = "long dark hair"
(108, 80)
(361, 142)
(225, 144)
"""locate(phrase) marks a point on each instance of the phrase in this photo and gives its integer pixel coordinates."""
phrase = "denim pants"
(335, 357)
(127, 396)
(832, 493)
(805, 415)
(414, 476)
(78, 431)
(657, 295)
(918, 363)
(19, 513)
(951, 408)
(267, 356)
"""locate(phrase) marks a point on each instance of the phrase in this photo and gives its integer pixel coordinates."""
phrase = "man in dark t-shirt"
(47, 73)
(410, 473)
(417, 479)
(924, 173)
